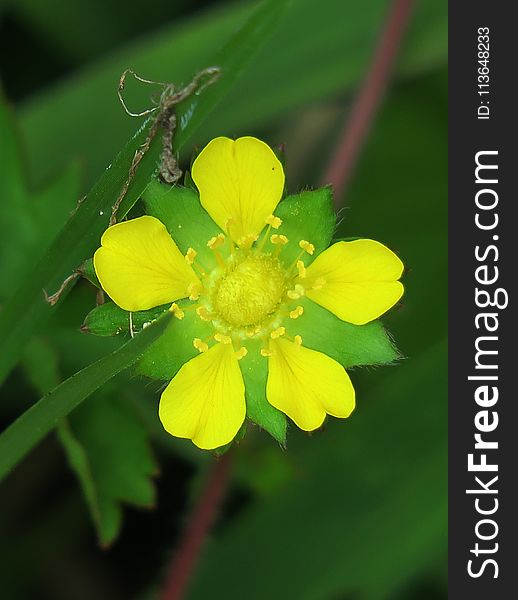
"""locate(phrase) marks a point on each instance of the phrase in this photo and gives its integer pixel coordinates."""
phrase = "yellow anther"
(177, 311)
(247, 240)
(297, 312)
(306, 246)
(266, 352)
(203, 313)
(277, 333)
(224, 339)
(216, 242)
(297, 340)
(200, 345)
(274, 221)
(190, 255)
(296, 293)
(241, 353)
(278, 240)
(194, 290)
(251, 332)
(319, 283)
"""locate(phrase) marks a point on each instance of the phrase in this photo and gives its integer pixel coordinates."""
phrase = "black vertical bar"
(483, 125)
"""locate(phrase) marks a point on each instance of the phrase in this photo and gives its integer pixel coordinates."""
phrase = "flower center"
(250, 290)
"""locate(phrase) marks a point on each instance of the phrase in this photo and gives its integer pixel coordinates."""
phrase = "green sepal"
(188, 181)
(239, 437)
(87, 271)
(163, 359)
(350, 345)
(307, 216)
(109, 319)
(254, 369)
(180, 211)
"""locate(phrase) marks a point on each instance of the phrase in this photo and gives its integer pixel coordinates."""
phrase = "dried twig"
(165, 119)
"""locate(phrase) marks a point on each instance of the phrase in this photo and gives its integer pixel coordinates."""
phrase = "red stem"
(204, 514)
(368, 98)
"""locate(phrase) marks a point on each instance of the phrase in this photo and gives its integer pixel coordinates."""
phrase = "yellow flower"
(245, 290)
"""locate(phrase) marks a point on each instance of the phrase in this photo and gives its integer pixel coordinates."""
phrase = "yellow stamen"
(216, 242)
(251, 332)
(203, 313)
(296, 293)
(277, 333)
(297, 312)
(266, 233)
(194, 290)
(200, 345)
(241, 353)
(247, 240)
(177, 311)
(307, 246)
(297, 340)
(274, 221)
(271, 221)
(190, 255)
(266, 352)
(222, 338)
(190, 259)
(278, 239)
(301, 268)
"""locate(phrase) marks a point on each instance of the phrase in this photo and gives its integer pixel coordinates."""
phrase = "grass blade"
(43, 416)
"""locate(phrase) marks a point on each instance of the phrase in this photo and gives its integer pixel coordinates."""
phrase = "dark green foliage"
(354, 511)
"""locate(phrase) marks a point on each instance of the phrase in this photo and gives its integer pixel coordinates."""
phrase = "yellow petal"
(241, 180)
(140, 266)
(306, 385)
(357, 281)
(205, 402)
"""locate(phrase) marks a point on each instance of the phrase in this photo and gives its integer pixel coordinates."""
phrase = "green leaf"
(350, 345)
(110, 319)
(28, 220)
(87, 271)
(254, 369)
(40, 362)
(107, 447)
(105, 443)
(307, 216)
(163, 359)
(26, 309)
(187, 221)
(42, 417)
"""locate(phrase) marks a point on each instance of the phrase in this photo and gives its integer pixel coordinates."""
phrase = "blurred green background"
(357, 511)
